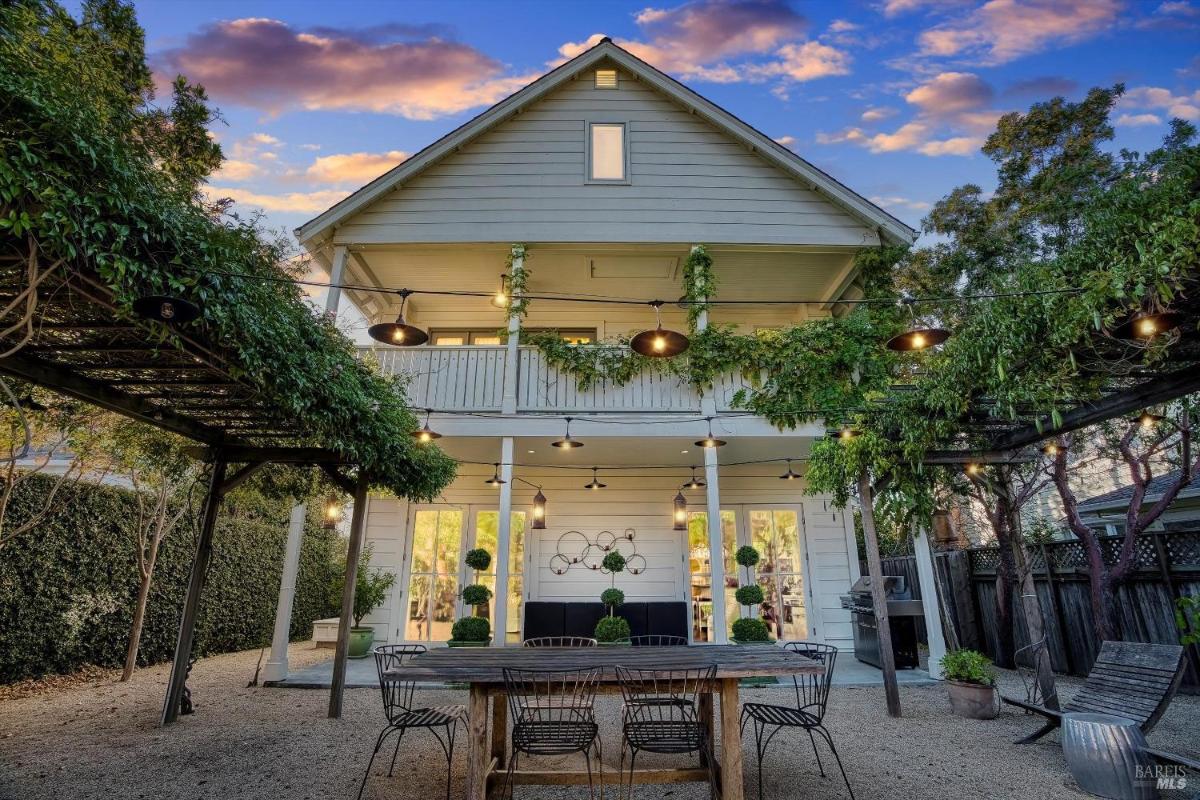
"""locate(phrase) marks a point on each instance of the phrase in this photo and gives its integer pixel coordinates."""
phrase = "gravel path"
(96, 738)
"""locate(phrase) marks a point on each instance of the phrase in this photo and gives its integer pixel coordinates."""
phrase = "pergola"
(75, 340)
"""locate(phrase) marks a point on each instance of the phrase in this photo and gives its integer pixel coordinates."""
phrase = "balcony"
(472, 379)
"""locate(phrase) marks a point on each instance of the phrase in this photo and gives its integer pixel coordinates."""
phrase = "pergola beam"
(248, 454)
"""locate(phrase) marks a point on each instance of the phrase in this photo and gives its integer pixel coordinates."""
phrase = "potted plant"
(749, 630)
(370, 592)
(611, 629)
(971, 681)
(474, 630)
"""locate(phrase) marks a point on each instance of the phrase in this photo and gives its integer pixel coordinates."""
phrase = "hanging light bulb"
(973, 469)
(595, 484)
(426, 434)
(539, 510)
(500, 299)
(1149, 419)
(679, 517)
(710, 441)
(660, 342)
(916, 337)
(398, 333)
(694, 483)
(495, 480)
(163, 308)
(331, 515)
(1051, 449)
(789, 475)
(1148, 324)
(846, 433)
(567, 443)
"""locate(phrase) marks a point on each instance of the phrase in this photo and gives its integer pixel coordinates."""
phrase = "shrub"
(1187, 618)
(614, 562)
(476, 595)
(746, 556)
(748, 629)
(370, 587)
(478, 559)
(750, 595)
(612, 629)
(612, 597)
(471, 629)
(968, 666)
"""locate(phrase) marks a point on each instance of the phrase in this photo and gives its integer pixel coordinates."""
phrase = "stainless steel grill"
(902, 615)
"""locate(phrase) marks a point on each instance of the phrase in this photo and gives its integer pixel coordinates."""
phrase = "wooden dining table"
(482, 668)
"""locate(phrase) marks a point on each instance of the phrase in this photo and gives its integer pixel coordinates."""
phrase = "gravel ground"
(96, 738)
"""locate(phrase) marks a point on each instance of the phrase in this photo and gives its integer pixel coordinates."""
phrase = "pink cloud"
(1136, 120)
(951, 92)
(1184, 106)
(1000, 31)
(268, 64)
(306, 202)
(353, 168)
(877, 113)
(233, 169)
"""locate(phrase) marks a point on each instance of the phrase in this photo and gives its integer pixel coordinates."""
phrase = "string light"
(500, 299)
(163, 308)
(916, 337)
(710, 441)
(1051, 449)
(679, 517)
(595, 484)
(973, 469)
(398, 333)
(496, 480)
(567, 443)
(426, 434)
(789, 475)
(694, 483)
(1148, 324)
(660, 342)
(1149, 419)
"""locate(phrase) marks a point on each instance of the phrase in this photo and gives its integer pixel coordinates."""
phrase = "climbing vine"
(699, 282)
(517, 281)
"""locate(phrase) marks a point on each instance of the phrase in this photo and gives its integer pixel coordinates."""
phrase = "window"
(489, 336)
(569, 335)
(775, 534)
(701, 573)
(606, 147)
(606, 79)
(433, 574)
(487, 529)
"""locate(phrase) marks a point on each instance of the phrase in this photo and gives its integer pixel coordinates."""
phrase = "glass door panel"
(700, 571)
(487, 529)
(433, 574)
(775, 533)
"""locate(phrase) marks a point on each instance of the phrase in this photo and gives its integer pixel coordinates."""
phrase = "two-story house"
(606, 172)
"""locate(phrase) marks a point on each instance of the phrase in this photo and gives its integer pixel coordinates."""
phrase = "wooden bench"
(1133, 680)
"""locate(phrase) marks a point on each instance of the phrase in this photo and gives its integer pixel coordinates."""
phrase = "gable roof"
(890, 228)
(1120, 497)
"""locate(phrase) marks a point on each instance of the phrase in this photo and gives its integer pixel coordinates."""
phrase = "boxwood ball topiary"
(751, 630)
(614, 562)
(471, 629)
(750, 595)
(612, 629)
(476, 595)
(612, 597)
(478, 559)
(747, 556)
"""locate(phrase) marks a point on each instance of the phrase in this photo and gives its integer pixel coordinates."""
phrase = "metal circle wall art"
(574, 548)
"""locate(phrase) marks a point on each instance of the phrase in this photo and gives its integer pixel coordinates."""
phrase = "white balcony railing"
(472, 379)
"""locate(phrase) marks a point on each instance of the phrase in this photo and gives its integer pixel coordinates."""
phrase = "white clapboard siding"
(525, 181)
(385, 535)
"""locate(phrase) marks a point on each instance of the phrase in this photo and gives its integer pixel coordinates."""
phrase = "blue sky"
(892, 97)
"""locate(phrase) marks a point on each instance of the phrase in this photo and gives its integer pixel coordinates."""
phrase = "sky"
(891, 97)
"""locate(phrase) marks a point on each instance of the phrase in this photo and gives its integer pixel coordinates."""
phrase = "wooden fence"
(1168, 567)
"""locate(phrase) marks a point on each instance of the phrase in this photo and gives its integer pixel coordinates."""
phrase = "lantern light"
(426, 434)
(680, 515)
(567, 443)
(789, 475)
(539, 510)
(500, 299)
(163, 308)
(660, 342)
(331, 515)
(398, 333)
(595, 484)
(1148, 324)
(710, 441)
(495, 480)
(694, 483)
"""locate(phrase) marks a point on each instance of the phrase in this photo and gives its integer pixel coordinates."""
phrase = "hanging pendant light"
(845, 433)
(163, 308)
(539, 510)
(500, 299)
(495, 480)
(694, 483)
(595, 484)
(567, 443)
(660, 342)
(1051, 449)
(973, 470)
(1149, 419)
(789, 475)
(679, 516)
(398, 333)
(331, 514)
(1145, 325)
(710, 441)
(426, 434)
(916, 338)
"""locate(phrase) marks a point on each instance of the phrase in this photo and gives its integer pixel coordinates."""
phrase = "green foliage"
(751, 629)
(749, 595)
(968, 666)
(612, 629)
(699, 282)
(471, 629)
(68, 588)
(1187, 618)
(612, 598)
(99, 178)
(746, 556)
(370, 587)
(478, 559)
(476, 595)
(517, 282)
(613, 562)
(1040, 531)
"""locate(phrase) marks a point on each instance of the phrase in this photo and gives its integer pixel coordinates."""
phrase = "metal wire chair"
(401, 714)
(658, 640)
(559, 641)
(812, 697)
(552, 715)
(661, 715)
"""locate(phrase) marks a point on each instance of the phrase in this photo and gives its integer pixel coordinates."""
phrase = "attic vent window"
(606, 79)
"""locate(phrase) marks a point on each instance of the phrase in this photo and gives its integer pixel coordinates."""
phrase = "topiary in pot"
(471, 630)
(971, 683)
(750, 595)
(475, 630)
(612, 630)
(478, 559)
(749, 629)
(612, 598)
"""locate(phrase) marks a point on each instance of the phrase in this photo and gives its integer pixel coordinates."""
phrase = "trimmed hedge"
(68, 587)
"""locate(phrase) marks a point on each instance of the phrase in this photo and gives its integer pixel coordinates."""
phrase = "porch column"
(503, 541)
(508, 402)
(277, 665)
(357, 523)
(334, 298)
(716, 554)
(931, 600)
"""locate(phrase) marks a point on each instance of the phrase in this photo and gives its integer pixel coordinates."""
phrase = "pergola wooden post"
(353, 551)
(866, 504)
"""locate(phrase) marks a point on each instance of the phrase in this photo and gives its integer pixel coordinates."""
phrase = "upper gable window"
(607, 152)
(606, 79)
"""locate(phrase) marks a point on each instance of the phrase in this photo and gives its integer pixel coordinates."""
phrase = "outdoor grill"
(902, 611)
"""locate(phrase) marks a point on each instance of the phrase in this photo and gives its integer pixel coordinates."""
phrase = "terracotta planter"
(972, 700)
(361, 640)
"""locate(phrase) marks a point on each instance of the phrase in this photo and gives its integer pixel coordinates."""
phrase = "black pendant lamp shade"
(495, 480)
(567, 443)
(398, 333)
(694, 483)
(679, 515)
(426, 434)
(710, 440)
(163, 308)
(595, 484)
(539, 510)
(1146, 325)
(660, 342)
(789, 475)
(917, 339)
